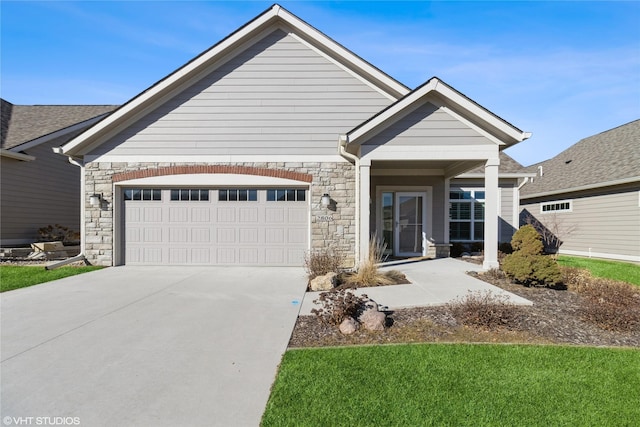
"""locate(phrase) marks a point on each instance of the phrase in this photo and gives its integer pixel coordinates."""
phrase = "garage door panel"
(297, 216)
(200, 214)
(248, 215)
(226, 236)
(225, 215)
(215, 231)
(274, 215)
(153, 214)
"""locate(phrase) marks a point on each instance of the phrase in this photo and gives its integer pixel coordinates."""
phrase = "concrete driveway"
(142, 346)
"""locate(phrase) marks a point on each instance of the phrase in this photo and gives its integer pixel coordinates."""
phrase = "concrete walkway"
(433, 282)
(148, 346)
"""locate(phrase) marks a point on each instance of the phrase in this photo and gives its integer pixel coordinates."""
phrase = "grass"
(15, 276)
(616, 270)
(456, 385)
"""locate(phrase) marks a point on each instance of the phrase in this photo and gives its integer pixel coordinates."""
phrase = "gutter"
(343, 140)
(17, 156)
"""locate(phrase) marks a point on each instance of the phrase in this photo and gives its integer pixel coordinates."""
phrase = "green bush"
(527, 241)
(527, 264)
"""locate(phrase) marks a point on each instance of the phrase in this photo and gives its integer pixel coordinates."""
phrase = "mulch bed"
(554, 318)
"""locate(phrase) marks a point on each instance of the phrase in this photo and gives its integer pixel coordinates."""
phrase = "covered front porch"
(407, 204)
(406, 157)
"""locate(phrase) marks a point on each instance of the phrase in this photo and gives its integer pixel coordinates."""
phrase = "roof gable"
(273, 18)
(436, 92)
(600, 160)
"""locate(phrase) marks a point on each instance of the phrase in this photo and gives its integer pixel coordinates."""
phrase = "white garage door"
(232, 226)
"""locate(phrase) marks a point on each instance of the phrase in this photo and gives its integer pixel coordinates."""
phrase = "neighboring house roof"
(508, 168)
(26, 123)
(458, 104)
(608, 158)
(273, 18)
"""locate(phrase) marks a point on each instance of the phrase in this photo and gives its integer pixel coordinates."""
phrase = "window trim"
(556, 203)
(141, 191)
(190, 191)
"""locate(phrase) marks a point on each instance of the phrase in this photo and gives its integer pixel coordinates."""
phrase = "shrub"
(338, 305)
(527, 264)
(484, 309)
(368, 273)
(607, 303)
(532, 270)
(322, 261)
(527, 241)
(505, 248)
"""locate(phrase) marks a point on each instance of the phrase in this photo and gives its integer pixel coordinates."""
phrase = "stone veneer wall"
(329, 228)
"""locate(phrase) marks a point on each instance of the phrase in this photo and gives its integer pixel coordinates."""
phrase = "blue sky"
(562, 70)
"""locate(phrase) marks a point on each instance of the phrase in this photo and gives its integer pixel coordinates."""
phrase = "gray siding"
(606, 222)
(38, 193)
(276, 97)
(428, 125)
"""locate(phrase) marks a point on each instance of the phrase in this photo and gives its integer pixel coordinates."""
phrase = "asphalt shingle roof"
(23, 123)
(608, 156)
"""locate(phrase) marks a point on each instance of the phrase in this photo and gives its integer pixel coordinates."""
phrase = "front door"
(409, 220)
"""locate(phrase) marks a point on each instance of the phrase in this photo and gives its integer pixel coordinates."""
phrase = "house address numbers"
(324, 218)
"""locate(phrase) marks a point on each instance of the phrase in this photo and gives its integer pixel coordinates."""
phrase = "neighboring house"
(589, 195)
(38, 187)
(278, 140)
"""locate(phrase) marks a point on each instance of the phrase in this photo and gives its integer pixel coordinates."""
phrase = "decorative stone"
(348, 326)
(324, 283)
(371, 318)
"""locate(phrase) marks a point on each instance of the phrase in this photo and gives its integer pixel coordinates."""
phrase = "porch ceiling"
(439, 167)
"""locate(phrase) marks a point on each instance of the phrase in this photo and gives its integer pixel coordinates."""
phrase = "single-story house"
(278, 140)
(38, 187)
(588, 196)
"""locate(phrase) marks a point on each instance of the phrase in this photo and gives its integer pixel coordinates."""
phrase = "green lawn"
(14, 276)
(623, 271)
(456, 385)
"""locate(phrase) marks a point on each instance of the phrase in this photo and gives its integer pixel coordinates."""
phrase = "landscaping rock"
(373, 320)
(348, 326)
(324, 283)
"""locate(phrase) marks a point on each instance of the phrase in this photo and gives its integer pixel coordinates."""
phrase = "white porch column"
(491, 214)
(365, 208)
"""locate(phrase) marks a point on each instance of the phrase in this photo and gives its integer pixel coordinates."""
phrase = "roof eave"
(621, 181)
(16, 156)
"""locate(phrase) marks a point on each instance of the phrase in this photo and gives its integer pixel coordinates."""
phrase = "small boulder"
(373, 320)
(348, 326)
(324, 283)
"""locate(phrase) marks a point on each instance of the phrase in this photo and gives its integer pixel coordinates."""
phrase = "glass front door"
(408, 224)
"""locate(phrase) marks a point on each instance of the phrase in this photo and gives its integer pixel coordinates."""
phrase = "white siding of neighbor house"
(605, 224)
(428, 125)
(278, 96)
(35, 194)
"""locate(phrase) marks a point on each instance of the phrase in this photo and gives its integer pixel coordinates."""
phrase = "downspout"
(80, 256)
(343, 140)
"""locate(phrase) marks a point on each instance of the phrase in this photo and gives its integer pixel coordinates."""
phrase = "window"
(238, 195)
(148, 194)
(286, 195)
(561, 206)
(466, 215)
(190, 194)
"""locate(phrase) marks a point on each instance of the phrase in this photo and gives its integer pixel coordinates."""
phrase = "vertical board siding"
(276, 97)
(428, 125)
(606, 223)
(42, 192)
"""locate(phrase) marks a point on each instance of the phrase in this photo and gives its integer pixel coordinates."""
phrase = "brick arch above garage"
(212, 169)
